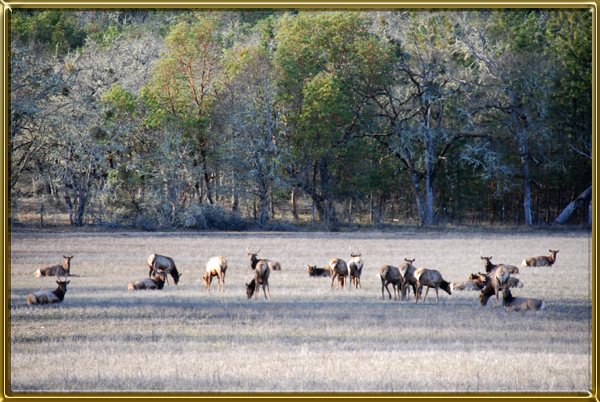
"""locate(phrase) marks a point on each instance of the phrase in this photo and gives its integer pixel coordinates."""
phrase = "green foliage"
(56, 30)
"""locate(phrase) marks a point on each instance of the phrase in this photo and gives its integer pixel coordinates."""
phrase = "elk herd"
(497, 278)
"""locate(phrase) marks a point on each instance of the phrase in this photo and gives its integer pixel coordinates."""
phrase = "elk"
(158, 282)
(355, 269)
(390, 275)
(47, 297)
(478, 282)
(489, 267)
(339, 269)
(314, 271)
(496, 279)
(262, 271)
(216, 267)
(55, 270)
(160, 263)
(475, 282)
(520, 303)
(407, 270)
(273, 265)
(541, 261)
(432, 279)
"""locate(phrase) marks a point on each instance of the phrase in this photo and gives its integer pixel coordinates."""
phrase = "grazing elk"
(339, 269)
(355, 269)
(314, 271)
(541, 261)
(47, 297)
(407, 270)
(489, 267)
(55, 270)
(273, 265)
(520, 303)
(262, 271)
(160, 263)
(216, 267)
(496, 279)
(390, 275)
(158, 282)
(432, 279)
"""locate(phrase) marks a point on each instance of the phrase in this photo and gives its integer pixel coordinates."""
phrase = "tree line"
(232, 119)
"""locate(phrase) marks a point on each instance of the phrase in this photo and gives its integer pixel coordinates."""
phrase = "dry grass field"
(307, 338)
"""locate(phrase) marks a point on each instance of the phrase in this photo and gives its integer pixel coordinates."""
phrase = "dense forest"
(273, 118)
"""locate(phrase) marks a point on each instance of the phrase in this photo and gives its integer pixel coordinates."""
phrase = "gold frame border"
(312, 5)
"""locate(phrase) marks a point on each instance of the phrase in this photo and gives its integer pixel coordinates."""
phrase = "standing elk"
(339, 269)
(47, 297)
(314, 271)
(55, 270)
(160, 263)
(407, 270)
(355, 269)
(520, 303)
(496, 279)
(489, 267)
(262, 271)
(273, 265)
(158, 282)
(432, 279)
(541, 261)
(216, 267)
(390, 275)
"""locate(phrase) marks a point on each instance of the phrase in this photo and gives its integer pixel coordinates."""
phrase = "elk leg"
(426, 291)
(419, 288)
(268, 290)
(388, 290)
(333, 275)
(436, 295)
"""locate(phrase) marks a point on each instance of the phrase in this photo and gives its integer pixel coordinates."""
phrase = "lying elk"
(158, 282)
(339, 269)
(355, 268)
(407, 270)
(160, 263)
(55, 270)
(273, 265)
(475, 282)
(216, 267)
(262, 271)
(520, 303)
(432, 279)
(478, 282)
(489, 267)
(541, 261)
(47, 297)
(314, 271)
(496, 279)
(390, 275)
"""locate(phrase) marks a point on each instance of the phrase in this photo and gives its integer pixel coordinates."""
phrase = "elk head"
(62, 283)
(67, 264)
(353, 254)
(253, 258)
(410, 261)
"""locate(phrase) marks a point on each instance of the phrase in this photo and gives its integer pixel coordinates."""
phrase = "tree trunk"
(293, 202)
(577, 203)
(524, 147)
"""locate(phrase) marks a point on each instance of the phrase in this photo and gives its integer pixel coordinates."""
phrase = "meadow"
(307, 338)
